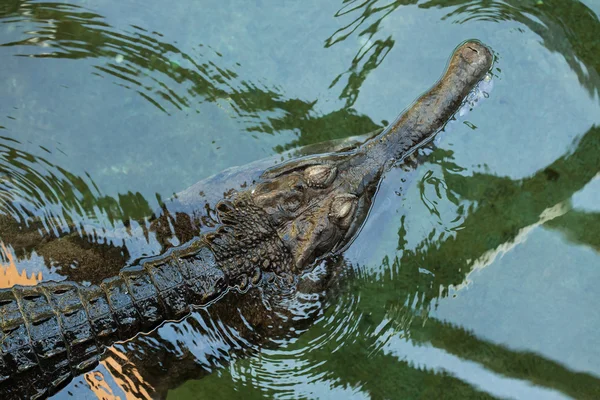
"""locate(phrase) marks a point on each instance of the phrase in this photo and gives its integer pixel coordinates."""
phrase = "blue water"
(475, 275)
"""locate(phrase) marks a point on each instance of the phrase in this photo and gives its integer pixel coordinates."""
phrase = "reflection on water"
(372, 51)
(357, 330)
(126, 379)
(42, 202)
(10, 275)
(125, 375)
(167, 77)
(35, 190)
(506, 209)
(566, 27)
(138, 58)
(242, 324)
(579, 227)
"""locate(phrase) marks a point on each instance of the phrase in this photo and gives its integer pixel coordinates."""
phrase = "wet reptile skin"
(297, 213)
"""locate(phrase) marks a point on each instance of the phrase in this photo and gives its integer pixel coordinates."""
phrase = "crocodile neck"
(244, 247)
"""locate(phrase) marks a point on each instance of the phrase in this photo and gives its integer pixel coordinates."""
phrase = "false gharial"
(295, 214)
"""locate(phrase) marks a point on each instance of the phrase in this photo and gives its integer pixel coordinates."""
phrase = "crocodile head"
(317, 204)
(313, 205)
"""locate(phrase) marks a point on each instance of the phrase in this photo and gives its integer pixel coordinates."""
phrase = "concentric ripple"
(41, 203)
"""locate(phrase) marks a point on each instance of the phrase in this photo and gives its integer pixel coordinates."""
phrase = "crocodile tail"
(51, 332)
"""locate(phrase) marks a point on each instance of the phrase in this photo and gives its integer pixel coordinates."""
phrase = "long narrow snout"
(468, 65)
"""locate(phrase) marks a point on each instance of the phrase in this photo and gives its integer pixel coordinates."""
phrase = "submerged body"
(293, 215)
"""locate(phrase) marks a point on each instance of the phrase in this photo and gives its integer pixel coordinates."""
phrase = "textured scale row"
(54, 331)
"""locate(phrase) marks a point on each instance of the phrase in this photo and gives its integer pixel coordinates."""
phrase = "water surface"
(476, 274)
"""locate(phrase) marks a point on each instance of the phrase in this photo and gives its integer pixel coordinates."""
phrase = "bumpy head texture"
(310, 207)
(245, 244)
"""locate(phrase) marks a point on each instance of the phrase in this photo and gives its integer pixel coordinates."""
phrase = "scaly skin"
(297, 213)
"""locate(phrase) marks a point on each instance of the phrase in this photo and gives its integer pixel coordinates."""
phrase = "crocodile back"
(54, 331)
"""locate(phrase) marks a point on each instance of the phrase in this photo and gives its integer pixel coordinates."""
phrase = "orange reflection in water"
(125, 375)
(99, 386)
(9, 274)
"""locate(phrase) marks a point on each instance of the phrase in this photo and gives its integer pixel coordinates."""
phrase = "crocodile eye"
(343, 206)
(320, 176)
(291, 201)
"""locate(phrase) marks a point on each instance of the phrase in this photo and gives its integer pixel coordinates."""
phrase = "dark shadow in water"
(579, 227)
(394, 379)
